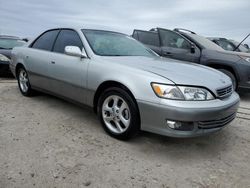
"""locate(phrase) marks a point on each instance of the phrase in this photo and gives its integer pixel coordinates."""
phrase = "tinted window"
(67, 38)
(172, 39)
(149, 38)
(135, 35)
(226, 45)
(106, 43)
(46, 41)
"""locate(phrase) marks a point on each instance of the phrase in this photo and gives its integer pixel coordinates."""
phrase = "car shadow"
(205, 146)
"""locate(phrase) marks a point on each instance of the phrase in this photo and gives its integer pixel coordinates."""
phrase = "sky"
(219, 18)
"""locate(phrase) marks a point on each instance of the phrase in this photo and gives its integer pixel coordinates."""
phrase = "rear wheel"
(23, 82)
(231, 75)
(118, 114)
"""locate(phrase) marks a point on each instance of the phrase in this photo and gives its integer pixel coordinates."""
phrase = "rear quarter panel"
(17, 56)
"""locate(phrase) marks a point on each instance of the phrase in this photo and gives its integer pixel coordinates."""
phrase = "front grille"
(225, 92)
(216, 123)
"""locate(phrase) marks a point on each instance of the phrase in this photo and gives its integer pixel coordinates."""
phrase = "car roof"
(217, 38)
(140, 30)
(90, 27)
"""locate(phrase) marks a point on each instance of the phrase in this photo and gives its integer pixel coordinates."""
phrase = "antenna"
(241, 42)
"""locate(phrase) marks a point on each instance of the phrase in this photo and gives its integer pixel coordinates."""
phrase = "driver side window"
(226, 45)
(65, 38)
(173, 40)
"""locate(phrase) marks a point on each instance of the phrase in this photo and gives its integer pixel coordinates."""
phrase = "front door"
(175, 46)
(68, 74)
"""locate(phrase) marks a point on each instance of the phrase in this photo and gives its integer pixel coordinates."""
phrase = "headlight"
(246, 58)
(167, 91)
(181, 92)
(196, 94)
(4, 58)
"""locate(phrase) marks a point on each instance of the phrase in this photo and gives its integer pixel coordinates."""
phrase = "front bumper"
(244, 86)
(205, 116)
(12, 69)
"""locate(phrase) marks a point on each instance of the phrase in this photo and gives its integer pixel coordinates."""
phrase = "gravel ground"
(47, 142)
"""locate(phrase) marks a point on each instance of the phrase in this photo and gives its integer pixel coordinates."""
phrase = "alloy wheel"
(116, 114)
(23, 80)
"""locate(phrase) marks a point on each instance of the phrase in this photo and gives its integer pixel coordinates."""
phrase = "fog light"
(181, 126)
(173, 124)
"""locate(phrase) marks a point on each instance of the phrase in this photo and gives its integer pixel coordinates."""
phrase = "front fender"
(137, 81)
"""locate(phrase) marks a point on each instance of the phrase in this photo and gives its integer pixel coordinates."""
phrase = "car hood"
(245, 54)
(179, 72)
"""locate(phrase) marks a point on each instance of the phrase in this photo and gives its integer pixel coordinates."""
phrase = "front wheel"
(118, 114)
(23, 82)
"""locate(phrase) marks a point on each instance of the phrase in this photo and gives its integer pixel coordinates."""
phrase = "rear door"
(174, 45)
(68, 73)
(37, 59)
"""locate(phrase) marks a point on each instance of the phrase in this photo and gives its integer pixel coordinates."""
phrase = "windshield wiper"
(5, 48)
(114, 55)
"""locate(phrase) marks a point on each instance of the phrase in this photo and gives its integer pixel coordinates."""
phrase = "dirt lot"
(46, 142)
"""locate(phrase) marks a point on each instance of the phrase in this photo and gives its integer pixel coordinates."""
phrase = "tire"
(231, 75)
(118, 114)
(23, 82)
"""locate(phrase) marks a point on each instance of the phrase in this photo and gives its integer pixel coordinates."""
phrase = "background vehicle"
(6, 45)
(127, 84)
(230, 45)
(185, 45)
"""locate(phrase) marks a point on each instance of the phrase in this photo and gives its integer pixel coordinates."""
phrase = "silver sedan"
(128, 85)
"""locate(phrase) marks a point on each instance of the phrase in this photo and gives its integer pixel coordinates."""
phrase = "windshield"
(206, 43)
(106, 43)
(242, 48)
(10, 43)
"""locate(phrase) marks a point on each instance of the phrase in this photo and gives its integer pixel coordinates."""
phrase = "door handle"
(167, 54)
(53, 62)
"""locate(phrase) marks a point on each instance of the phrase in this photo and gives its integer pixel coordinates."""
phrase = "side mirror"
(25, 39)
(246, 45)
(74, 51)
(192, 48)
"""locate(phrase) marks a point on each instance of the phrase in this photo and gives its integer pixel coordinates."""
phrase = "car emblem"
(223, 81)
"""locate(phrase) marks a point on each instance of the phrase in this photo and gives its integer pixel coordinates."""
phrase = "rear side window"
(148, 38)
(46, 40)
(67, 38)
(135, 35)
